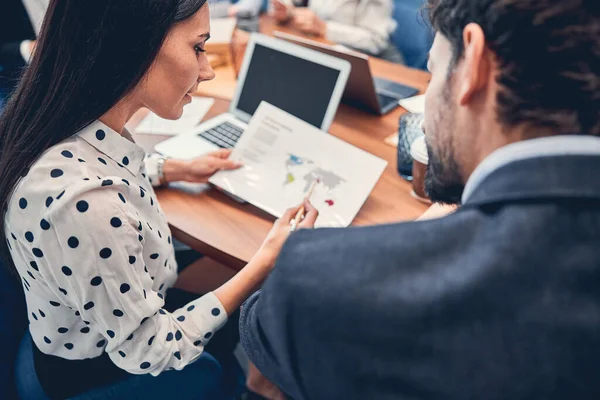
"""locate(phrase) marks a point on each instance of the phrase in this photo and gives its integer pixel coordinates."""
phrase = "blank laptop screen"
(298, 86)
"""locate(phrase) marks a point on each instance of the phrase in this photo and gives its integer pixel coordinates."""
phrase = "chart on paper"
(300, 173)
(283, 156)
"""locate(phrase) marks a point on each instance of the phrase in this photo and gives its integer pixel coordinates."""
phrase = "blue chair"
(204, 376)
(13, 325)
(201, 380)
(413, 35)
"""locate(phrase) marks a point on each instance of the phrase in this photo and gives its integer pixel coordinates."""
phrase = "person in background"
(81, 229)
(231, 8)
(363, 25)
(18, 28)
(501, 299)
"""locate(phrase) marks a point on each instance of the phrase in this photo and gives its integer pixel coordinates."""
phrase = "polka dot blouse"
(95, 255)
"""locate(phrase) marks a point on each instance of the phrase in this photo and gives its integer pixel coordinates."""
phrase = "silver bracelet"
(160, 163)
(293, 226)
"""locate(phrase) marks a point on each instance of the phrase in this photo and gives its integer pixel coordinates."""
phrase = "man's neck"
(498, 137)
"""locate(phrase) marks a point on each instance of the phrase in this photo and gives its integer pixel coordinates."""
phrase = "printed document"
(283, 156)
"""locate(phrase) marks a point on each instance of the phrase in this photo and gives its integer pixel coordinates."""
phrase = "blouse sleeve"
(95, 251)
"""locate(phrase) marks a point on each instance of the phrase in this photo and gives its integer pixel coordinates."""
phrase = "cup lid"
(418, 150)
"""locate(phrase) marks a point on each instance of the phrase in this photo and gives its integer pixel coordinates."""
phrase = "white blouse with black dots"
(94, 252)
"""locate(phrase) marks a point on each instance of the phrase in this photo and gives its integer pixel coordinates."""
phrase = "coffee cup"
(418, 152)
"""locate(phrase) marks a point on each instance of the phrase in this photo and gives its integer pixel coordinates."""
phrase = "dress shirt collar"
(533, 148)
(125, 153)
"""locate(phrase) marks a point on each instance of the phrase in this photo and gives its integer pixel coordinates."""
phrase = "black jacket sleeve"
(10, 56)
(14, 28)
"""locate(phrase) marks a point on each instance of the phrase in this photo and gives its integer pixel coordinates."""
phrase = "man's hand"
(257, 383)
(309, 23)
(32, 46)
(282, 11)
(437, 211)
(232, 11)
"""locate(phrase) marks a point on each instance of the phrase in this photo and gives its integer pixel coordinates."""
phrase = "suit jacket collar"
(556, 177)
(560, 166)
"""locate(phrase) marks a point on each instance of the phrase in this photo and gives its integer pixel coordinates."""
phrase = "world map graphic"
(305, 171)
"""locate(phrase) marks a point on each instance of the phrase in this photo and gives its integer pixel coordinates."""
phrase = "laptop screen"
(296, 85)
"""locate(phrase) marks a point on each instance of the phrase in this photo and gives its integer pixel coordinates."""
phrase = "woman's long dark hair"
(90, 54)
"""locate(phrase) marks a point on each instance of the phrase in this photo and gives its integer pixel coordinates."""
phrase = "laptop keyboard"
(384, 100)
(225, 135)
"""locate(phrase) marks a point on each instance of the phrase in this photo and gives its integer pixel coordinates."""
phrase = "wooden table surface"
(231, 233)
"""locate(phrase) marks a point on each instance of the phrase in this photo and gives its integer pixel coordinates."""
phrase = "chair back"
(13, 325)
(413, 35)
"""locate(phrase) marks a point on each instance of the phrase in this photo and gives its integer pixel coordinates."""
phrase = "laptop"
(305, 83)
(375, 95)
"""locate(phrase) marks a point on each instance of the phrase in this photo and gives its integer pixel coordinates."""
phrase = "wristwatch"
(160, 163)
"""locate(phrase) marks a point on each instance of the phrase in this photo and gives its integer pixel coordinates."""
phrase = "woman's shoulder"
(62, 174)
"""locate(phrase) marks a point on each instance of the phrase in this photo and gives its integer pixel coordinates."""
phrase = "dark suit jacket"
(14, 28)
(500, 300)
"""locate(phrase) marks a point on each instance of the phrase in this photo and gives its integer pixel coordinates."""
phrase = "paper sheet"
(192, 115)
(415, 104)
(392, 140)
(221, 30)
(283, 156)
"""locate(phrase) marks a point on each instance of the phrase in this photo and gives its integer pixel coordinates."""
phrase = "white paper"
(415, 104)
(221, 30)
(283, 156)
(192, 115)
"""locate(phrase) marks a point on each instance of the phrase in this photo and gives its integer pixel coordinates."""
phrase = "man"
(364, 25)
(500, 300)
(232, 8)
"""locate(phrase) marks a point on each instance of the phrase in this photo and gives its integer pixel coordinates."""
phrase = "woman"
(81, 224)
(364, 25)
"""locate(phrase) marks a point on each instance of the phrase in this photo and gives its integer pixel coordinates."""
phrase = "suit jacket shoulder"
(447, 308)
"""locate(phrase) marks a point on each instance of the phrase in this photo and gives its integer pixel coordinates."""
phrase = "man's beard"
(443, 182)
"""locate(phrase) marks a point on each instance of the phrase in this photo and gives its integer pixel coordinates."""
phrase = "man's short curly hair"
(549, 57)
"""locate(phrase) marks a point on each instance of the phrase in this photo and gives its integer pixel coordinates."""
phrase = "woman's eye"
(199, 49)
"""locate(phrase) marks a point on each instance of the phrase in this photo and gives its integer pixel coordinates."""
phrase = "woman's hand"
(200, 169)
(235, 291)
(282, 11)
(307, 21)
(275, 240)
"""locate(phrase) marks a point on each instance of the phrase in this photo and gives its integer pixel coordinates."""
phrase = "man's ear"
(476, 64)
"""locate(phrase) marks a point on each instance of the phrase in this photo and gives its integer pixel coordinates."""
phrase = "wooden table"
(231, 233)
